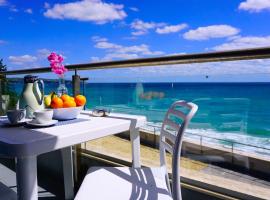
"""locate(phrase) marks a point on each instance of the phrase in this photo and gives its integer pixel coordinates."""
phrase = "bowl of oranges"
(65, 107)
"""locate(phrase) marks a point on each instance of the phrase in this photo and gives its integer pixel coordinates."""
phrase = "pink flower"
(60, 58)
(56, 63)
(53, 57)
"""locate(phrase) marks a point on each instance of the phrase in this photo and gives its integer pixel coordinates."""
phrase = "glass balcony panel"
(226, 144)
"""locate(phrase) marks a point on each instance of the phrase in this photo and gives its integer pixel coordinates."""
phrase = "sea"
(228, 113)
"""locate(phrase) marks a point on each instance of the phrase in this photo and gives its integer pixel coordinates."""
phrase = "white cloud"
(130, 38)
(171, 28)
(107, 45)
(35, 60)
(260, 66)
(3, 2)
(214, 31)
(13, 9)
(116, 51)
(43, 53)
(174, 54)
(28, 10)
(95, 11)
(138, 33)
(2, 42)
(141, 28)
(99, 39)
(141, 25)
(244, 42)
(134, 9)
(24, 59)
(47, 5)
(103, 43)
(117, 56)
(255, 5)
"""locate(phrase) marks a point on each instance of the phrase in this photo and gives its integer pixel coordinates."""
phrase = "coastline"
(205, 138)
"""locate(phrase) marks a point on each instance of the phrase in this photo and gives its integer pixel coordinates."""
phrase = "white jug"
(32, 96)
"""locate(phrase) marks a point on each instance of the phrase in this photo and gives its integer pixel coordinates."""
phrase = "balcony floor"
(49, 189)
(52, 188)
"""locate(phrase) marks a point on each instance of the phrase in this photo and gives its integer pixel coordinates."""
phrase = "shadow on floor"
(51, 185)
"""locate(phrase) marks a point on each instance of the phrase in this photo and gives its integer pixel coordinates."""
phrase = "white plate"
(36, 124)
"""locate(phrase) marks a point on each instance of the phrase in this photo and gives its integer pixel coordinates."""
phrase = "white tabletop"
(23, 141)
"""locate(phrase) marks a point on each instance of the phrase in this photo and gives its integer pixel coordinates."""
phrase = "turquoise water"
(235, 111)
(223, 107)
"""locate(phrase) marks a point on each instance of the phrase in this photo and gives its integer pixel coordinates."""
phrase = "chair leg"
(135, 142)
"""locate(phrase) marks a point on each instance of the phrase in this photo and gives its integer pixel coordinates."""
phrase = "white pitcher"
(32, 96)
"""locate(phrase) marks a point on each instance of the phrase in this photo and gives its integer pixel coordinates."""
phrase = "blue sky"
(96, 30)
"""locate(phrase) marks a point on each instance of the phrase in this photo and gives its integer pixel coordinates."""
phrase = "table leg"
(26, 174)
(77, 162)
(135, 142)
(68, 172)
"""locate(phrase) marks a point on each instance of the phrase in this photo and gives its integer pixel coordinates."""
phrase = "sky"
(97, 30)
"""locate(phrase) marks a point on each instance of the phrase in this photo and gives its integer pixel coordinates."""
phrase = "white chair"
(116, 183)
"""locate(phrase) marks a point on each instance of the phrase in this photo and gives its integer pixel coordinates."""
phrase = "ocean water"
(237, 112)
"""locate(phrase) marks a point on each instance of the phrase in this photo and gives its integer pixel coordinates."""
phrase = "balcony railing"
(246, 54)
(231, 145)
(225, 56)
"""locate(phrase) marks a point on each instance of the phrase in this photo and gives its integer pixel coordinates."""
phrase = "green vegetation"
(2, 77)
(6, 90)
(2, 66)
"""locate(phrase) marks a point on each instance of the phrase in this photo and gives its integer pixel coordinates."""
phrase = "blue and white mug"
(16, 116)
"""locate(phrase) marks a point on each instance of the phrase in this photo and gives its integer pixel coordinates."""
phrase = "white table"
(26, 144)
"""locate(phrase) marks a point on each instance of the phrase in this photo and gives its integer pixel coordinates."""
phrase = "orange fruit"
(69, 104)
(72, 98)
(80, 100)
(65, 97)
(57, 102)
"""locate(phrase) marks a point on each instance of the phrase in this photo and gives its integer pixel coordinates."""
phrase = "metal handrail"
(219, 139)
(229, 141)
(232, 55)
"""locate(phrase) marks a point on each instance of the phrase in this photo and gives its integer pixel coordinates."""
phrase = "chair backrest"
(175, 122)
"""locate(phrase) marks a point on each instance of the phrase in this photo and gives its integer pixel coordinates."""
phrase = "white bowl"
(66, 113)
